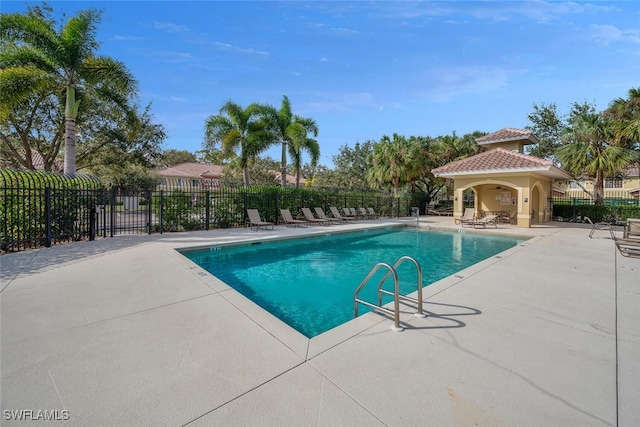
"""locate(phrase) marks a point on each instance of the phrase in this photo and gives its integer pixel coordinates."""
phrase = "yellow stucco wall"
(507, 145)
(627, 184)
(529, 192)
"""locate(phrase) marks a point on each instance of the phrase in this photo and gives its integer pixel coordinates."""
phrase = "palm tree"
(292, 130)
(238, 128)
(590, 151)
(296, 146)
(625, 118)
(41, 58)
(393, 161)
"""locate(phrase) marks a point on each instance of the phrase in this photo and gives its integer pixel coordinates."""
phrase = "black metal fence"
(40, 209)
(617, 207)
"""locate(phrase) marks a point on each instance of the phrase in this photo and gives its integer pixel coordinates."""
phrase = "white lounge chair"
(483, 222)
(467, 216)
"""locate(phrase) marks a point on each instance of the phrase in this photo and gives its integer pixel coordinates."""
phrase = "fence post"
(276, 216)
(105, 197)
(112, 212)
(161, 228)
(149, 195)
(47, 216)
(573, 202)
(92, 223)
(207, 209)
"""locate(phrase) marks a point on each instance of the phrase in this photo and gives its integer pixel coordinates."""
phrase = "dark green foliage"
(612, 209)
(24, 197)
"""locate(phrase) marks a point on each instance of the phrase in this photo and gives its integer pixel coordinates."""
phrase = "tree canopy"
(56, 92)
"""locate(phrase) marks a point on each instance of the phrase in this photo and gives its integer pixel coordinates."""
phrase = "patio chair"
(256, 221)
(336, 214)
(483, 222)
(632, 229)
(628, 247)
(468, 215)
(599, 226)
(347, 213)
(287, 219)
(312, 219)
(373, 213)
(430, 208)
(364, 214)
(321, 215)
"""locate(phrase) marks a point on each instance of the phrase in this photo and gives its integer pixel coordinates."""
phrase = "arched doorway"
(535, 205)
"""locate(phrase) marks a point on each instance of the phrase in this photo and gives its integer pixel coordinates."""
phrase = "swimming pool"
(309, 282)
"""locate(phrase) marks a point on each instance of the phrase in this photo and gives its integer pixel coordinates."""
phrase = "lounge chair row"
(350, 215)
(629, 243)
(256, 221)
(468, 218)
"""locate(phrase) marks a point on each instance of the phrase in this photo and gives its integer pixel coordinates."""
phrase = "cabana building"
(504, 180)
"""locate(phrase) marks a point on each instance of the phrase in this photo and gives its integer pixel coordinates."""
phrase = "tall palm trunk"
(598, 188)
(245, 175)
(283, 177)
(70, 114)
(70, 146)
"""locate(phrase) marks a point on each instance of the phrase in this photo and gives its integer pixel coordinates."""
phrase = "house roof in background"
(506, 135)
(500, 161)
(192, 170)
(202, 170)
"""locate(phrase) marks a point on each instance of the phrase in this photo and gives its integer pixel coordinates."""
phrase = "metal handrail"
(396, 300)
(404, 297)
(396, 291)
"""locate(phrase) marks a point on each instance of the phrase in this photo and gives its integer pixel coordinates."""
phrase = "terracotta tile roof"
(507, 134)
(497, 160)
(192, 170)
(291, 179)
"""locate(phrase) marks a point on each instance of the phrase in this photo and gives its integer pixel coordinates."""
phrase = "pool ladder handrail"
(396, 291)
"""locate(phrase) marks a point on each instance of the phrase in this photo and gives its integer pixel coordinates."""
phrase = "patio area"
(126, 331)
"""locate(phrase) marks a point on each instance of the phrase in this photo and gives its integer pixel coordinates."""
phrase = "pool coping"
(309, 348)
(119, 332)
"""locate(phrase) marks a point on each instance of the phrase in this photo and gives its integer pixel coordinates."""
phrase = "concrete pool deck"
(126, 331)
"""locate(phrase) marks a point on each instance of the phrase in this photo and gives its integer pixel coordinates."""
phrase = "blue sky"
(367, 69)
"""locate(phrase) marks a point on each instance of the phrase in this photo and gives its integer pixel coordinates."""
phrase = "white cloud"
(233, 48)
(170, 27)
(122, 38)
(446, 84)
(172, 56)
(610, 33)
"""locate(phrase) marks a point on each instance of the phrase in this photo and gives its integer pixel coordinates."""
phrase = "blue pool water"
(309, 283)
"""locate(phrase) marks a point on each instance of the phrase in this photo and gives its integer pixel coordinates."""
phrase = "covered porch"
(504, 181)
(520, 199)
